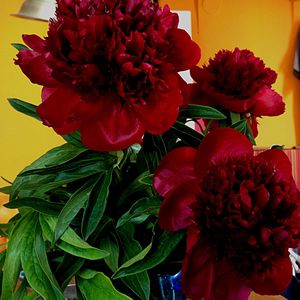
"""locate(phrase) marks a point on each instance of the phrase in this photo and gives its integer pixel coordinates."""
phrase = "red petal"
(184, 53)
(279, 161)
(34, 66)
(176, 212)
(275, 280)
(229, 102)
(34, 42)
(113, 126)
(229, 285)
(268, 103)
(176, 168)
(198, 272)
(57, 109)
(220, 144)
(161, 109)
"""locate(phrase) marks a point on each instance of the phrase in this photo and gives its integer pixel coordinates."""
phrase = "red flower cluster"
(241, 212)
(239, 82)
(109, 69)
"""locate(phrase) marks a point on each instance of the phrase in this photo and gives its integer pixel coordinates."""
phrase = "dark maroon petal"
(268, 103)
(184, 53)
(34, 66)
(34, 42)
(199, 269)
(60, 119)
(176, 210)
(229, 285)
(176, 168)
(116, 127)
(231, 103)
(160, 111)
(280, 162)
(275, 280)
(220, 144)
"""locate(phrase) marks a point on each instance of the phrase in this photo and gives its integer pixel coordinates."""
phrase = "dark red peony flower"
(239, 82)
(109, 69)
(241, 212)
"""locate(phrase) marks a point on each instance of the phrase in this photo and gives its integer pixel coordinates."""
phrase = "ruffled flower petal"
(221, 144)
(62, 120)
(268, 103)
(176, 211)
(181, 56)
(280, 162)
(176, 168)
(116, 127)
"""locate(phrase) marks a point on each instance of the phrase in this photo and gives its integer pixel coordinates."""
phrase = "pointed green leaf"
(12, 264)
(194, 111)
(141, 210)
(95, 285)
(36, 204)
(70, 242)
(188, 135)
(235, 117)
(77, 201)
(110, 244)
(96, 204)
(165, 245)
(35, 263)
(19, 46)
(24, 107)
(138, 283)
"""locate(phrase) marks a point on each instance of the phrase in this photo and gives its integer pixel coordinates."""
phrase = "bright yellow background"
(267, 27)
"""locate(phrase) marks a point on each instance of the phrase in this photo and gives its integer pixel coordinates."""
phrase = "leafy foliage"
(93, 216)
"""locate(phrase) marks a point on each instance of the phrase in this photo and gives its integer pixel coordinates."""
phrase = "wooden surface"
(254, 296)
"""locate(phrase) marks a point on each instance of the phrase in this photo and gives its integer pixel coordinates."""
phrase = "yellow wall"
(22, 139)
(267, 27)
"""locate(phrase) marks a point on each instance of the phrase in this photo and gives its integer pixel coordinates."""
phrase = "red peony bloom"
(241, 212)
(239, 82)
(109, 69)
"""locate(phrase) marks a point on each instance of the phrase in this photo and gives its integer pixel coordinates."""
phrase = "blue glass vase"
(170, 286)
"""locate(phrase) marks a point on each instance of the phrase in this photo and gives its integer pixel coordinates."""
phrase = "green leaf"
(95, 285)
(110, 244)
(68, 268)
(35, 263)
(24, 107)
(12, 264)
(188, 135)
(250, 134)
(6, 190)
(25, 186)
(165, 245)
(240, 126)
(136, 186)
(19, 46)
(194, 111)
(36, 204)
(70, 242)
(76, 202)
(74, 139)
(141, 210)
(235, 117)
(96, 204)
(138, 283)
(147, 179)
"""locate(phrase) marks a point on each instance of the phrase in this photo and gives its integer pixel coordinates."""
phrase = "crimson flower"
(239, 82)
(241, 213)
(110, 69)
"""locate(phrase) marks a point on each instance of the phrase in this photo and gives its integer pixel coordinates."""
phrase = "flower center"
(242, 209)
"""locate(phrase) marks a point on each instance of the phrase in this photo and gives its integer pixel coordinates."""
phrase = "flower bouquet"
(135, 191)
